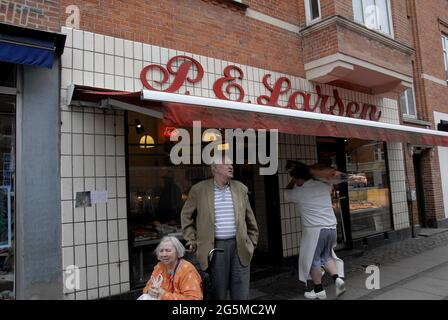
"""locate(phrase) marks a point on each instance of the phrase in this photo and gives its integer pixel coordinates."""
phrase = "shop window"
(157, 191)
(312, 8)
(374, 14)
(7, 188)
(369, 203)
(445, 54)
(8, 75)
(442, 125)
(407, 101)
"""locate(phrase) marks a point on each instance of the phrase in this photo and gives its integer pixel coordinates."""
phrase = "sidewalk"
(412, 269)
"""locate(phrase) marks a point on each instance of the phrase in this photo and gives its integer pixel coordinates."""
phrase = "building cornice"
(338, 20)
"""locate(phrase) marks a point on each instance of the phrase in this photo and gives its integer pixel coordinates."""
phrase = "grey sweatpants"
(227, 273)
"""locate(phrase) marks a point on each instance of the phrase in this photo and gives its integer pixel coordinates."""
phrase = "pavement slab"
(412, 269)
(406, 294)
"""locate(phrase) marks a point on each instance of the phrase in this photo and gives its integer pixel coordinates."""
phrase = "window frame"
(363, 18)
(405, 108)
(309, 19)
(445, 54)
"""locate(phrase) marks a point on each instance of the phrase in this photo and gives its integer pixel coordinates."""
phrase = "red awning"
(183, 116)
(182, 110)
(96, 95)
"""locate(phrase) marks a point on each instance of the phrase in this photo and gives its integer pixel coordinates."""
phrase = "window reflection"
(8, 75)
(369, 203)
(7, 177)
(157, 191)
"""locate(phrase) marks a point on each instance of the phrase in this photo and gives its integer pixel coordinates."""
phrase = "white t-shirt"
(313, 199)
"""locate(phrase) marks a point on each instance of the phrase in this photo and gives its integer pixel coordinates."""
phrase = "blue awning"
(25, 50)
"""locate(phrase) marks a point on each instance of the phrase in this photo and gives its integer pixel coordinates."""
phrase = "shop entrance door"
(417, 160)
(331, 152)
(264, 200)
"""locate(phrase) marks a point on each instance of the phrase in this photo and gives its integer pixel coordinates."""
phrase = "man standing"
(313, 198)
(217, 214)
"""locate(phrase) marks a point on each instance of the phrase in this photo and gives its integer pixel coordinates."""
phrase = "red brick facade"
(210, 28)
(36, 14)
(429, 21)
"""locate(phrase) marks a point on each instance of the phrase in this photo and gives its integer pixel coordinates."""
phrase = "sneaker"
(313, 295)
(340, 286)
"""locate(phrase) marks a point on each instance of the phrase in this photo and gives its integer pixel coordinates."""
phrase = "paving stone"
(436, 287)
(406, 294)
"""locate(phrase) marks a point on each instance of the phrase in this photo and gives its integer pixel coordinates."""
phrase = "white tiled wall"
(113, 63)
(88, 149)
(300, 148)
(397, 176)
(92, 159)
(94, 238)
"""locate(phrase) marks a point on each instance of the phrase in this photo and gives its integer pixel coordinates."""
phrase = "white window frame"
(405, 108)
(445, 54)
(309, 20)
(389, 9)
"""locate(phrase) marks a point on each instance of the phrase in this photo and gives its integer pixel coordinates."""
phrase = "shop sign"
(222, 87)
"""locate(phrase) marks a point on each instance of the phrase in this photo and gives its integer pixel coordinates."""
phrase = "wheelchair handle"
(211, 252)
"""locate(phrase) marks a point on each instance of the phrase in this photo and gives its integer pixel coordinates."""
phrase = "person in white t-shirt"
(319, 237)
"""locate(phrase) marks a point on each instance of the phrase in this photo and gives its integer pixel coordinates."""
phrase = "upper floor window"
(408, 103)
(374, 14)
(445, 54)
(312, 8)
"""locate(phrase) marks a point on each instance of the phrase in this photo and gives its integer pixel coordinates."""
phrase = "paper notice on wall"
(83, 199)
(98, 196)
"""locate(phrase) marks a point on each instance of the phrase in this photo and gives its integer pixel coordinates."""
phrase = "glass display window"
(157, 190)
(7, 188)
(370, 210)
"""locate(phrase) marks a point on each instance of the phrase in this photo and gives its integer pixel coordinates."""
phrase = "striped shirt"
(225, 227)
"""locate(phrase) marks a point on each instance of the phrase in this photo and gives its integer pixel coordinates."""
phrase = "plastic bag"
(155, 282)
(146, 296)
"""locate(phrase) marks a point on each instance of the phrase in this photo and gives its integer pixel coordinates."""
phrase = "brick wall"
(288, 11)
(206, 28)
(401, 22)
(361, 47)
(320, 44)
(431, 96)
(344, 8)
(429, 21)
(37, 14)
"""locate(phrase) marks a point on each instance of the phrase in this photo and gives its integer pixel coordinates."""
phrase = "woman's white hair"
(178, 246)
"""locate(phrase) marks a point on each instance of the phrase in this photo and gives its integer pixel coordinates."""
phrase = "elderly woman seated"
(179, 278)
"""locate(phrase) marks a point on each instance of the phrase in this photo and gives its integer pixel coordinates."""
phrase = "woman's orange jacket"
(186, 284)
